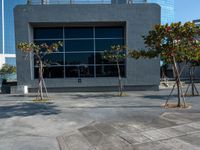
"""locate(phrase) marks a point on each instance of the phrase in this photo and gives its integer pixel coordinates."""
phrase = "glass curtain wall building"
(7, 36)
(167, 9)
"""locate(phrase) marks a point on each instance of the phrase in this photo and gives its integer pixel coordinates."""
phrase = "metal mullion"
(79, 52)
(78, 65)
(74, 39)
(95, 74)
(64, 51)
(109, 38)
(48, 39)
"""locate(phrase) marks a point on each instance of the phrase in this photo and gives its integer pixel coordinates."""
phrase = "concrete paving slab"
(171, 132)
(155, 135)
(28, 143)
(185, 129)
(195, 125)
(178, 144)
(153, 146)
(140, 138)
(122, 121)
(74, 141)
(193, 139)
(105, 128)
(93, 136)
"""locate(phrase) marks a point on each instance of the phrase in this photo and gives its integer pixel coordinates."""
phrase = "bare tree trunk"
(120, 80)
(192, 83)
(40, 83)
(178, 82)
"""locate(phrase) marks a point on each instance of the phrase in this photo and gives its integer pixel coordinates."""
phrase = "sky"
(187, 10)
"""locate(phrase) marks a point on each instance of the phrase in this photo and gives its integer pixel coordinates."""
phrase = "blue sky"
(187, 10)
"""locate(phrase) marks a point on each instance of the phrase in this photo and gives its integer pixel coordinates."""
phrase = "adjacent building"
(7, 40)
(167, 9)
(86, 31)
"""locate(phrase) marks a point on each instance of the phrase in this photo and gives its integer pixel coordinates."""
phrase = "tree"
(7, 69)
(39, 52)
(192, 66)
(117, 54)
(174, 43)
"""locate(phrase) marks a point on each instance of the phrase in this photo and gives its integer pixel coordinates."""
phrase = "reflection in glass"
(79, 58)
(79, 71)
(109, 71)
(81, 53)
(105, 44)
(79, 45)
(51, 72)
(109, 32)
(48, 33)
(54, 59)
(79, 32)
(101, 60)
(49, 42)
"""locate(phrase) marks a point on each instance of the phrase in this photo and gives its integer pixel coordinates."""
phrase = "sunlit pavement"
(98, 121)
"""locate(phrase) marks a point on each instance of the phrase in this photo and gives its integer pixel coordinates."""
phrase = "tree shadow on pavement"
(96, 96)
(28, 109)
(158, 97)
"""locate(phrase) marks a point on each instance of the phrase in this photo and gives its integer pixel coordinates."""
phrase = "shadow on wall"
(28, 109)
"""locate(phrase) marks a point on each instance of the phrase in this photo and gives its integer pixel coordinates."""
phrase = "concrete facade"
(138, 19)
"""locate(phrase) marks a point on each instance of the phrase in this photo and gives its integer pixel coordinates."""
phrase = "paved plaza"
(98, 121)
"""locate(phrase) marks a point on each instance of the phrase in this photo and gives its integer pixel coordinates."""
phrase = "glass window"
(79, 71)
(101, 60)
(54, 59)
(48, 33)
(109, 32)
(51, 72)
(79, 45)
(49, 42)
(79, 58)
(105, 44)
(82, 51)
(109, 71)
(11, 61)
(77, 32)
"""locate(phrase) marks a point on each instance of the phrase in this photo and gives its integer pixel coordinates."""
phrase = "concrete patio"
(98, 121)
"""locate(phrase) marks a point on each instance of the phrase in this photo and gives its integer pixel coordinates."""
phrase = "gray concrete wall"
(138, 18)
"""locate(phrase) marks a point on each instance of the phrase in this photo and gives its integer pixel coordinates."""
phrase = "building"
(197, 22)
(7, 45)
(7, 40)
(86, 31)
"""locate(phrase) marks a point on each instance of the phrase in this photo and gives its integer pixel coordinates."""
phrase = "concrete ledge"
(100, 89)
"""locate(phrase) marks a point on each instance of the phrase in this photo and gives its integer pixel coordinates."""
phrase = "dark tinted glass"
(48, 33)
(109, 32)
(49, 42)
(79, 58)
(51, 72)
(105, 44)
(77, 32)
(79, 45)
(109, 71)
(101, 60)
(54, 59)
(79, 71)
